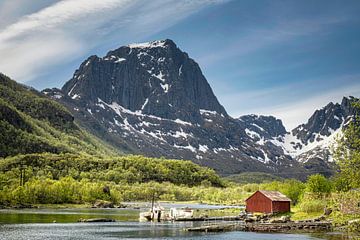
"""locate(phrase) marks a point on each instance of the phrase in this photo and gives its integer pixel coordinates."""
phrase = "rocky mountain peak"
(155, 78)
(264, 126)
(325, 121)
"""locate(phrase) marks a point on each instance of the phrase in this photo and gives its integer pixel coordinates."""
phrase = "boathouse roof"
(273, 196)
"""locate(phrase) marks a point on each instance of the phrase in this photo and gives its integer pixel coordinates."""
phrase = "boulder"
(285, 218)
(327, 211)
(102, 204)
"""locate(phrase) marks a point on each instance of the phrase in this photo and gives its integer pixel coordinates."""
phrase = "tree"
(347, 154)
(318, 184)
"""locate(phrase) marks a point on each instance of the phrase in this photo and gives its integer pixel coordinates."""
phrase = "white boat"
(181, 213)
(160, 214)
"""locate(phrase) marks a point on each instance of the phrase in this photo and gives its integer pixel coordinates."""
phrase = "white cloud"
(12, 10)
(70, 29)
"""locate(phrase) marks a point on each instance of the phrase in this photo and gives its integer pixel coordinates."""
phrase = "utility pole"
(22, 175)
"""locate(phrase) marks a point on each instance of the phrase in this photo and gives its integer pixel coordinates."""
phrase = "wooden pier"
(262, 227)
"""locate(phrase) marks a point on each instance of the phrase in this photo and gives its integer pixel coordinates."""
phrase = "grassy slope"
(32, 123)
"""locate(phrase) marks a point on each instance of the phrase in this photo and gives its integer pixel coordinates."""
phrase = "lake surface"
(37, 224)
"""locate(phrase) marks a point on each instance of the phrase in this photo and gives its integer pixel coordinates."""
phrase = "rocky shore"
(263, 227)
(264, 223)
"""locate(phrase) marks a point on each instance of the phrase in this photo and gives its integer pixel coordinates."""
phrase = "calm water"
(33, 224)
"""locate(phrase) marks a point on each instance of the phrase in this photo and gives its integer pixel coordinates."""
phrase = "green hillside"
(30, 122)
(253, 177)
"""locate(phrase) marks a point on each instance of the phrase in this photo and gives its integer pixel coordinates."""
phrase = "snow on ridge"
(181, 133)
(255, 125)
(188, 147)
(153, 44)
(120, 60)
(336, 117)
(266, 158)
(295, 148)
(112, 58)
(75, 96)
(203, 148)
(181, 122)
(204, 111)
(252, 134)
(146, 102)
(118, 109)
(57, 96)
(165, 87)
(69, 94)
(159, 76)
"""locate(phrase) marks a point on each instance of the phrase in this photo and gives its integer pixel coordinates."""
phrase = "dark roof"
(273, 196)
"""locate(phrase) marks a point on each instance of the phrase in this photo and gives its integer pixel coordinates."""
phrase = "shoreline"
(123, 205)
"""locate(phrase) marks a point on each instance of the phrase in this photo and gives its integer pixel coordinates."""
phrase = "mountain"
(30, 122)
(312, 143)
(153, 78)
(152, 99)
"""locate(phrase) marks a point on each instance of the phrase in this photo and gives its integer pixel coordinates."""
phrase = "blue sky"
(282, 58)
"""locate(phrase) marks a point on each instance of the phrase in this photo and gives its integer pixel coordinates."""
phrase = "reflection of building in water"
(160, 214)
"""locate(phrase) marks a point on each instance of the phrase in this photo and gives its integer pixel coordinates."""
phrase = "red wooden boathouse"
(268, 202)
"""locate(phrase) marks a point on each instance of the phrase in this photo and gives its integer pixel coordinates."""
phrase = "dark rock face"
(266, 126)
(152, 99)
(325, 121)
(155, 78)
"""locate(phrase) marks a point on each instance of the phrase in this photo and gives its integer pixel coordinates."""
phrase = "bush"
(312, 206)
(251, 187)
(318, 184)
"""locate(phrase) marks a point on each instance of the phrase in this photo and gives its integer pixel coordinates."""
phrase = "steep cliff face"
(152, 99)
(154, 78)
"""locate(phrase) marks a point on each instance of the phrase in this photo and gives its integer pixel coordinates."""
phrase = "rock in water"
(89, 220)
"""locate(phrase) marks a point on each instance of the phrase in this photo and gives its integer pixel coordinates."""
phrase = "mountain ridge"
(141, 98)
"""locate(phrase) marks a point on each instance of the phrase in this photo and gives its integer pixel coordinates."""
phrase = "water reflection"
(132, 230)
(37, 224)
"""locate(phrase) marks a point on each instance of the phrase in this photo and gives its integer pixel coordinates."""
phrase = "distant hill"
(253, 177)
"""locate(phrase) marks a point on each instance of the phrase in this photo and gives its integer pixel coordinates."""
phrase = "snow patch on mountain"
(294, 147)
(152, 44)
